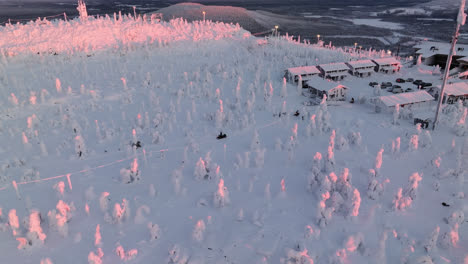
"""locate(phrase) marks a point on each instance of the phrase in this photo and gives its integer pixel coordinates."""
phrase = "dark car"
(372, 84)
(425, 84)
(410, 80)
(400, 80)
(424, 122)
(384, 85)
(417, 82)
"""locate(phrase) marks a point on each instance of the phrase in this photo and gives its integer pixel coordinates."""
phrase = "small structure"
(387, 65)
(418, 98)
(361, 68)
(334, 91)
(334, 71)
(304, 72)
(454, 92)
(435, 53)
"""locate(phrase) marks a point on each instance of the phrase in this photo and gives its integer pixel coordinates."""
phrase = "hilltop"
(110, 152)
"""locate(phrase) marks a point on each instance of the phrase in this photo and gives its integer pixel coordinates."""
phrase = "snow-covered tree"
(199, 231)
(431, 242)
(82, 10)
(221, 196)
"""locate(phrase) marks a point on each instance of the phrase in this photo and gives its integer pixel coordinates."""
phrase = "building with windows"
(304, 72)
(334, 71)
(334, 90)
(361, 68)
(387, 65)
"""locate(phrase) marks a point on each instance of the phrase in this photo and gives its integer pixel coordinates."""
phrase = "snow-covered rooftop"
(456, 89)
(430, 48)
(464, 59)
(324, 84)
(386, 61)
(361, 64)
(339, 66)
(406, 98)
(304, 70)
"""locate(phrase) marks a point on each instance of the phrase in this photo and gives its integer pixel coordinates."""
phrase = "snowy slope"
(125, 135)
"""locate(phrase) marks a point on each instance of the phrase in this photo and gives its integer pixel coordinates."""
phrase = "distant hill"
(226, 14)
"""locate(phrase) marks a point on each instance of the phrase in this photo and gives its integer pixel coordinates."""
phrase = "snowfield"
(109, 152)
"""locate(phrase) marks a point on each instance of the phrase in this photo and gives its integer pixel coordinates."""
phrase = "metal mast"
(460, 22)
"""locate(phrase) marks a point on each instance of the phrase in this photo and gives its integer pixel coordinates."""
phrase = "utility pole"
(460, 22)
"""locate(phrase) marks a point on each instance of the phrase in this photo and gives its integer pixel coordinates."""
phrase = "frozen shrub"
(355, 138)
(98, 237)
(298, 257)
(198, 231)
(221, 196)
(154, 230)
(82, 10)
(343, 185)
(130, 254)
(46, 261)
(95, 258)
(324, 213)
(400, 202)
(80, 148)
(62, 217)
(431, 242)
(311, 231)
(456, 217)
(330, 160)
(177, 256)
(255, 141)
(13, 221)
(378, 160)
(354, 243)
(60, 188)
(341, 143)
(35, 234)
(284, 90)
(414, 180)
(414, 142)
(311, 128)
(451, 237)
(460, 127)
(355, 203)
(376, 189)
(132, 174)
(104, 202)
(201, 171)
(121, 211)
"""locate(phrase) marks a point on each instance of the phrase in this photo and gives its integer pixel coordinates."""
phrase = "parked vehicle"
(384, 85)
(408, 90)
(373, 84)
(425, 84)
(417, 82)
(397, 90)
(400, 80)
(410, 80)
(424, 122)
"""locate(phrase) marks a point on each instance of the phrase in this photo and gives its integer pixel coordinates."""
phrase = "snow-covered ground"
(109, 153)
(376, 23)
